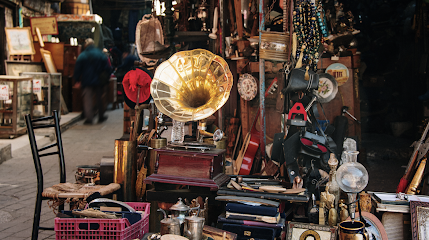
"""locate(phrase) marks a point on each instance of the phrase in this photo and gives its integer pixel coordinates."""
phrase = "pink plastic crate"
(96, 228)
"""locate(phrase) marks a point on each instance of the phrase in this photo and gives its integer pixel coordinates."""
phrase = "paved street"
(83, 145)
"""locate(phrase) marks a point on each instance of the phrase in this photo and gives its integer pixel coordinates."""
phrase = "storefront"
(242, 119)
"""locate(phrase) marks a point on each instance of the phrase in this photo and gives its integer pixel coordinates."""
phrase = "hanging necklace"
(307, 33)
(321, 19)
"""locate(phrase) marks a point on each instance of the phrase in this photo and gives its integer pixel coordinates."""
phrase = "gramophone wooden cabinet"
(188, 167)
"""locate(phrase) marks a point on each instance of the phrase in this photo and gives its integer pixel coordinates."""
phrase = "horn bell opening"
(191, 85)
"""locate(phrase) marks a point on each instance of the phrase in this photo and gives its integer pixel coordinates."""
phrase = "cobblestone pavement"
(83, 145)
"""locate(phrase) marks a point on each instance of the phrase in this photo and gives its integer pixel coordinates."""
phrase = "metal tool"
(344, 110)
(158, 126)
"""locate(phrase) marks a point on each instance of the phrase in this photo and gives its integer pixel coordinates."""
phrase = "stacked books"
(250, 220)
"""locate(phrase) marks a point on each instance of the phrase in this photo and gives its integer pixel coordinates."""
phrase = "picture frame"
(419, 219)
(14, 68)
(19, 41)
(47, 25)
(40, 38)
(297, 231)
(48, 60)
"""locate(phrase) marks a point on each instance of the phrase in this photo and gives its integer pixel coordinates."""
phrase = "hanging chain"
(267, 15)
(285, 15)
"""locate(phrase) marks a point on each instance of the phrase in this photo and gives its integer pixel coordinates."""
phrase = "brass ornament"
(332, 216)
(308, 233)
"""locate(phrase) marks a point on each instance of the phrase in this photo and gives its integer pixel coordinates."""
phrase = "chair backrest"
(36, 151)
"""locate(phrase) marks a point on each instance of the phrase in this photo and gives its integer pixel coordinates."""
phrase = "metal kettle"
(169, 225)
(193, 229)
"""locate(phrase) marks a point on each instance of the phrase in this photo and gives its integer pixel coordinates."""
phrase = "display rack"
(16, 100)
(47, 90)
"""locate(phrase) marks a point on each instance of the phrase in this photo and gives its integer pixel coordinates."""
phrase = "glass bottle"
(352, 178)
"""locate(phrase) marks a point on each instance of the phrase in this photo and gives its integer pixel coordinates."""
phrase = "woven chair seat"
(78, 190)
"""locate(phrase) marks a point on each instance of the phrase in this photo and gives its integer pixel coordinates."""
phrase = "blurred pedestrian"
(90, 75)
(128, 60)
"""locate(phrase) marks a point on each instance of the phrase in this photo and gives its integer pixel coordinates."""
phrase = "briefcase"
(250, 232)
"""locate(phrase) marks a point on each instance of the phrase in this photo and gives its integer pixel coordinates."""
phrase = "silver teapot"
(181, 210)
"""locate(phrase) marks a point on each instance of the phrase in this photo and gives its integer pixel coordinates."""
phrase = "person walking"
(90, 73)
(128, 60)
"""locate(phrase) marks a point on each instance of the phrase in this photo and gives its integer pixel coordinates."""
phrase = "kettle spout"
(163, 212)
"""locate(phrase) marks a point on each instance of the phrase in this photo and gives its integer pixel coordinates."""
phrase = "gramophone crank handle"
(163, 129)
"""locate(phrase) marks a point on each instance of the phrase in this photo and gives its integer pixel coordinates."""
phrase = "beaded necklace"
(321, 19)
(307, 32)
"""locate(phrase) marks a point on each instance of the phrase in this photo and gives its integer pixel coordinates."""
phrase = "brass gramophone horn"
(191, 85)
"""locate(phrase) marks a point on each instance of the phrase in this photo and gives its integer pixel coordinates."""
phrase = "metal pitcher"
(169, 225)
(180, 210)
(194, 227)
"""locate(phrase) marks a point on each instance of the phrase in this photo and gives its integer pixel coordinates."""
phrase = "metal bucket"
(274, 46)
(87, 174)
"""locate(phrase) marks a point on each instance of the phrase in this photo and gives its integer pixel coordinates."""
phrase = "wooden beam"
(239, 20)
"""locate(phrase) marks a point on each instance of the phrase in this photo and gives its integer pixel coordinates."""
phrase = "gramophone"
(190, 86)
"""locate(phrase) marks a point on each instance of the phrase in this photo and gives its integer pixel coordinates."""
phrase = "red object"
(97, 228)
(183, 167)
(403, 184)
(297, 108)
(254, 141)
(309, 142)
(134, 79)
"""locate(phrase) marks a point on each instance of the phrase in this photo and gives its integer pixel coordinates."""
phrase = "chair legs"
(36, 218)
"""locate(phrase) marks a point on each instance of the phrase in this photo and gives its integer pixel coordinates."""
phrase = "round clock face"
(247, 87)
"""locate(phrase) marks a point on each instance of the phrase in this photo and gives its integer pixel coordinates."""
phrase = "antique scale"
(190, 86)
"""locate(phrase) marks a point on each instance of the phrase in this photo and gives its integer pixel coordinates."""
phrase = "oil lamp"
(352, 178)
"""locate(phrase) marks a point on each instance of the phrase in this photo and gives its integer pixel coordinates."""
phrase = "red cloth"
(132, 80)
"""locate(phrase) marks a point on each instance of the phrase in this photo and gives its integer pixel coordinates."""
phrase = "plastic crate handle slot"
(92, 226)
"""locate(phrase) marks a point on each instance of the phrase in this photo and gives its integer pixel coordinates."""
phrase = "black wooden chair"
(53, 122)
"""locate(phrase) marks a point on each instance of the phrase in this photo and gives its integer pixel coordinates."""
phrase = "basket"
(96, 228)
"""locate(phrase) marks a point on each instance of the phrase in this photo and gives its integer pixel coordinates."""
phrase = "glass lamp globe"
(352, 178)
